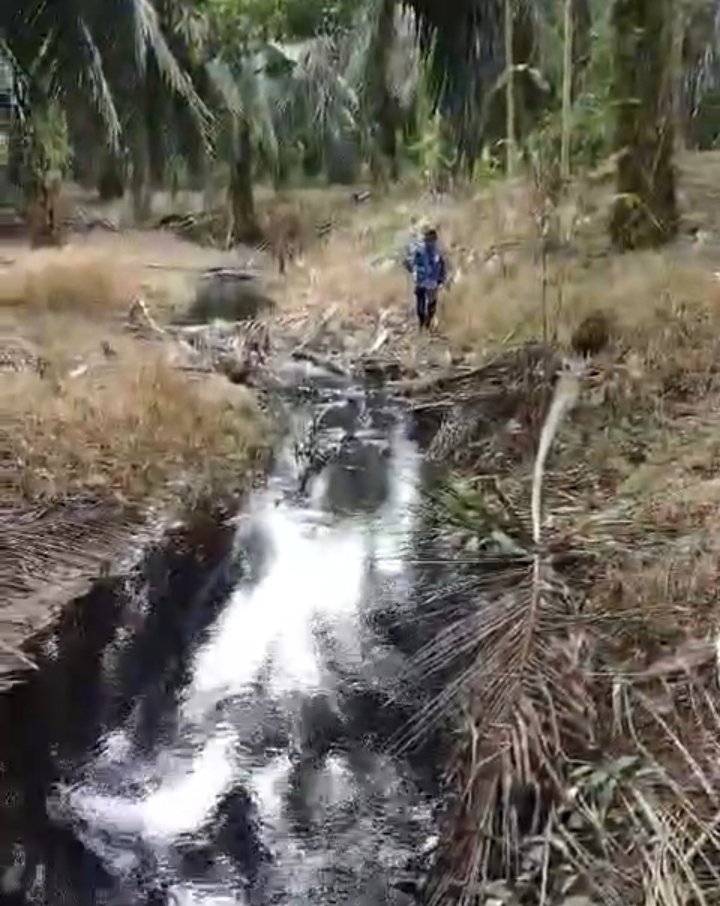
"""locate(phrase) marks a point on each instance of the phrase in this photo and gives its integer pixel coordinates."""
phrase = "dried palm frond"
(578, 774)
(515, 387)
(506, 663)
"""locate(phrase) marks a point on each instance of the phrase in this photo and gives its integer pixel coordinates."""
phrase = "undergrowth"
(131, 434)
(579, 662)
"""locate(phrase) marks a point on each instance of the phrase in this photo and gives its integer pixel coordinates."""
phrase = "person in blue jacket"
(427, 265)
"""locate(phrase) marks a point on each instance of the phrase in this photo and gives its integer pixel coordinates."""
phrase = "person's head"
(430, 235)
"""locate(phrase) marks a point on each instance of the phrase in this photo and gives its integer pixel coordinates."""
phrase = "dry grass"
(494, 249)
(96, 412)
(69, 280)
(131, 432)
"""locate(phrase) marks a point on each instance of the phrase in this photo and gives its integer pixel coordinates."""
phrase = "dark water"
(213, 727)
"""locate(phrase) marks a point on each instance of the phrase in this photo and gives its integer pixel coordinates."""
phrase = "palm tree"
(377, 91)
(352, 88)
(482, 57)
(322, 109)
(279, 101)
(107, 63)
(645, 211)
(383, 68)
(464, 46)
(247, 123)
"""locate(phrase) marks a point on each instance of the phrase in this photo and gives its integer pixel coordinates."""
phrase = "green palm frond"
(101, 47)
(248, 94)
(149, 36)
(100, 88)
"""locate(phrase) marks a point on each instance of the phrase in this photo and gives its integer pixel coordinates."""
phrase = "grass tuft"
(67, 280)
(130, 432)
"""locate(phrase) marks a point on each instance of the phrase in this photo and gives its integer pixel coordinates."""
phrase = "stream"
(213, 726)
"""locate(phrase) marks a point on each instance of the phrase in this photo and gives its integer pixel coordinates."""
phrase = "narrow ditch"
(214, 726)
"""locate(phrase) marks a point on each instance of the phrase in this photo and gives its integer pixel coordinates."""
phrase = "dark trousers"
(425, 305)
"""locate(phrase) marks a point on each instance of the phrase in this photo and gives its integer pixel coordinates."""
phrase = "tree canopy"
(370, 82)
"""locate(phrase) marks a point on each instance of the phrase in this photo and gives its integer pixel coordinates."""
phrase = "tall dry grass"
(665, 305)
(92, 410)
(68, 280)
(130, 433)
(644, 294)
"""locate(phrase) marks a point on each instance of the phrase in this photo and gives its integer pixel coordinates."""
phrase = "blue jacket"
(427, 265)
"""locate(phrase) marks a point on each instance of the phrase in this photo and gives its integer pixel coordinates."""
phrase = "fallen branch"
(304, 355)
(317, 329)
(139, 316)
(437, 382)
(379, 341)
(220, 270)
(381, 334)
(520, 360)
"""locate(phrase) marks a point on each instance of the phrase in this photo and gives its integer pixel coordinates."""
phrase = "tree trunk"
(141, 192)
(111, 178)
(388, 137)
(582, 23)
(383, 103)
(567, 86)
(678, 40)
(244, 227)
(510, 137)
(645, 211)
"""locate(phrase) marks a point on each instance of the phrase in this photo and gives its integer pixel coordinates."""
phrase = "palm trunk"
(241, 198)
(582, 22)
(677, 74)
(510, 138)
(645, 212)
(385, 114)
(567, 92)
(141, 192)
(111, 178)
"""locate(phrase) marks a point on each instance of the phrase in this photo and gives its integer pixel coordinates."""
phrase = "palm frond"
(63, 47)
(250, 95)
(149, 35)
(701, 53)
(223, 81)
(100, 89)
(507, 673)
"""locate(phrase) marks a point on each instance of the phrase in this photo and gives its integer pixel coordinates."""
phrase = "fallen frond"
(588, 767)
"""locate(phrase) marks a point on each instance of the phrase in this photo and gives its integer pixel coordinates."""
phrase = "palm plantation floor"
(630, 529)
